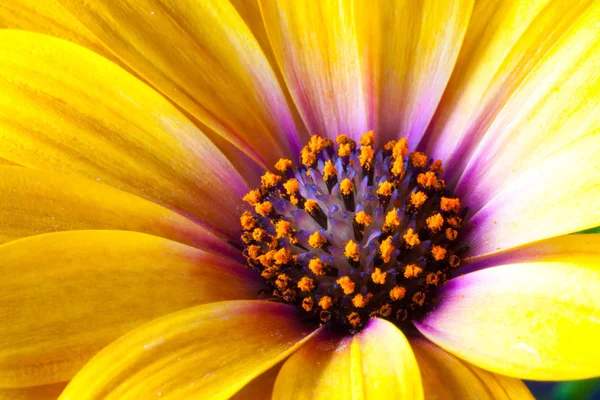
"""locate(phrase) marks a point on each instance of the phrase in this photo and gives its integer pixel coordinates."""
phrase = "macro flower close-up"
(293, 199)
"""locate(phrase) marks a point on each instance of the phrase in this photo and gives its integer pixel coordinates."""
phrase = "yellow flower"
(130, 131)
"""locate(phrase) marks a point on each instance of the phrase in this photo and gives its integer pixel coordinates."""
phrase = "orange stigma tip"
(308, 158)
(432, 279)
(329, 170)
(259, 234)
(385, 249)
(316, 143)
(385, 189)
(400, 148)
(454, 221)
(346, 187)
(247, 221)
(252, 197)
(311, 206)
(267, 258)
(316, 240)
(392, 220)
(359, 301)
(282, 281)
(362, 218)
(412, 271)
(325, 302)
(451, 234)
(353, 319)
(418, 159)
(291, 186)
(427, 179)
(438, 252)
(436, 166)
(343, 139)
(316, 266)
(265, 208)
(419, 298)
(389, 146)
(306, 284)
(308, 304)
(269, 180)
(450, 205)
(344, 150)
(378, 277)
(454, 261)
(435, 222)
(253, 251)
(352, 251)
(397, 167)
(346, 284)
(283, 229)
(385, 310)
(397, 293)
(411, 238)
(282, 256)
(368, 139)
(283, 165)
(269, 272)
(417, 199)
(366, 157)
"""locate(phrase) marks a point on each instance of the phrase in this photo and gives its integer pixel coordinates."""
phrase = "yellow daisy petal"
(259, 388)
(46, 392)
(65, 108)
(72, 293)
(375, 363)
(202, 352)
(206, 60)
(447, 377)
(536, 320)
(34, 202)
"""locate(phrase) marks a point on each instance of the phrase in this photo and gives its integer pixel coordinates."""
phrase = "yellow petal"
(557, 196)
(69, 294)
(504, 44)
(535, 320)
(203, 57)
(204, 352)
(316, 49)
(47, 392)
(261, 388)
(376, 363)
(67, 109)
(408, 50)
(34, 202)
(447, 377)
(49, 17)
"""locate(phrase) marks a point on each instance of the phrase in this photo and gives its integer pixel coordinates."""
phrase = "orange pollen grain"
(418, 159)
(308, 157)
(269, 272)
(316, 266)
(392, 220)
(344, 150)
(454, 221)
(291, 186)
(308, 304)
(259, 234)
(267, 258)
(265, 208)
(316, 143)
(451, 234)
(306, 284)
(385, 189)
(386, 248)
(283, 164)
(359, 301)
(435, 222)
(411, 238)
(252, 197)
(367, 139)
(438, 252)
(346, 284)
(400, 148)
(311, 206)
(282, 281)
(352, 251)
(353, 319)
(389, 146)
(254, 251)
(343, 139)
(397, 167)
(325, 302)
(362, 218)
(346, 187)
(385, 310)
(282, 256)
(419, 298)
(428, 179)
(412, 271)
(316, 240)
(329, 170)
(378, 277)
(283, 228)
(269, 180)
(366, 157)
(397, 293)
(450, 205)
(417, 199)
(436, 166)
(454, 261)
(247, 221)
(432, 279)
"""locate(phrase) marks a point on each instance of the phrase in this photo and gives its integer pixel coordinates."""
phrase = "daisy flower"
(296, 199)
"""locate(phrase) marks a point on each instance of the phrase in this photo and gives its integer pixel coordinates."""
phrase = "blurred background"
(573, 390)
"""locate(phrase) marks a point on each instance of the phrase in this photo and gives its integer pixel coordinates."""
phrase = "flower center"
(353, 232)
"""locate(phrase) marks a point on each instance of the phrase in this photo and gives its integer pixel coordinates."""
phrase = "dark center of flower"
(353, 232)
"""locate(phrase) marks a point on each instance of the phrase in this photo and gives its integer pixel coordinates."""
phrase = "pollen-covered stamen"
(353, 232)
